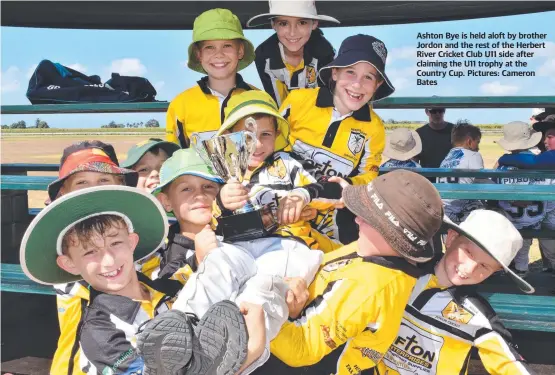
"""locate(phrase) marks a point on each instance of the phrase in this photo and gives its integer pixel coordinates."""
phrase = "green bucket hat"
(251, 102)
(137, 151)
(42, 241)
(185, 162)
(218, 24)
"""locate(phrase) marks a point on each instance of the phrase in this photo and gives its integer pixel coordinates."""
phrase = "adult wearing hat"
(334, 131)
(443, 308)
(357, 300)
(290, 59)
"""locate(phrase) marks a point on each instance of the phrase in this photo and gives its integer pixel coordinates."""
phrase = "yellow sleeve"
(323, 327)
(371, 159)
(69, 315)
(171, 124)
(499, 357)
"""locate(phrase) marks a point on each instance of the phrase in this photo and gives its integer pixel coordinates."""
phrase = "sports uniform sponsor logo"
(320, 162)
(371, 354)
(327, 339)
(336, 265)
(454, 311)
(414, 351)
(278, 169)
(310, 75)
(356, 141)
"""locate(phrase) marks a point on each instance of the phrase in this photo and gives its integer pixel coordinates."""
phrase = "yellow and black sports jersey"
(108, 328)
(71, 300)
(353, 314)
(439, 329)
(198, 110)
(349, 146)
(272, 181)
(279, 78)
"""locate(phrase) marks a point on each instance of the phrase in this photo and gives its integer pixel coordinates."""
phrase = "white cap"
(300, 9)
(518, 135)
(497, 236)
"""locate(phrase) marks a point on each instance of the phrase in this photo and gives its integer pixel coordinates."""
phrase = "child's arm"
(545, 160)
(369, 164)
(175, 130)
(106, 347)
(265, 78)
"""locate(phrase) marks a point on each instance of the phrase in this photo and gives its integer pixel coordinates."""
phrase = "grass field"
(21, 149)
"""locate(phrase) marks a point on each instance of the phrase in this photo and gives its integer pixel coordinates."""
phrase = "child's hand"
(205, 241)
(308, 213)
(256, 328)
(234, 195)
(343, 184)
(297, 295)
(290, 208)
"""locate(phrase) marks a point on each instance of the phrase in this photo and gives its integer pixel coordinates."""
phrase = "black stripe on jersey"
(224, 104)
(464, 369)
(331, 133)
(181, 135)
(287, 113)
(295, 78)
(320, 298)
(293, 174)
(438, 324)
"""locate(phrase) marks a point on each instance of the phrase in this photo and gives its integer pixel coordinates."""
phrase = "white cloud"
(548, 51)
(78, 67)
(128, 67)
(496, 88)
(547, 68)
(401, 53)
(10, 79)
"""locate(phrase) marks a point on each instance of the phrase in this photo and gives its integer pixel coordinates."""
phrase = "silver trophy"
(229, 155)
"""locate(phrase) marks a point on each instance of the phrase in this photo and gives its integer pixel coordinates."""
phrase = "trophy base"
(250, 225)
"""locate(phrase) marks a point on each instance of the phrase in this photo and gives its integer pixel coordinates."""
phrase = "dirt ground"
(48, 149)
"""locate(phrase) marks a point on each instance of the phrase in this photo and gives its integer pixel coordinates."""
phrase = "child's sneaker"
(166, 343)
(174, 343)
(220, 341)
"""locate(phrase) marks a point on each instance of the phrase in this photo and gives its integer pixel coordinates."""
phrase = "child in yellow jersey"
(358, 296)
(444, 321)
(96, 234)
(275, 178)
(219, 50)
(334, 131)
(290, 59)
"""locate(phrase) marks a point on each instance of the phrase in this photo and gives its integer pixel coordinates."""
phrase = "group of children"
(321, 294)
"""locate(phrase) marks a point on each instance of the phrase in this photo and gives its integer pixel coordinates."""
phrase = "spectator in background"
(436, 139)
(401, 147)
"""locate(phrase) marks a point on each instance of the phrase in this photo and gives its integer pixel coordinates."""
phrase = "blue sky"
(161, 57)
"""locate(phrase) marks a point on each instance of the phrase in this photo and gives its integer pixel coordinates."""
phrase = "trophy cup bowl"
(229, 156)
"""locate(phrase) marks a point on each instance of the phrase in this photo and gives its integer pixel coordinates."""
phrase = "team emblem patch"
(336, 265)
(356, 141)
(455, 312)
(379, 48)
(278, 169)
(327, 339)
(310, 75)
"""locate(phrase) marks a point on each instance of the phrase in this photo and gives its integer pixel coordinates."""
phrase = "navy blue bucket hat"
(361, 48)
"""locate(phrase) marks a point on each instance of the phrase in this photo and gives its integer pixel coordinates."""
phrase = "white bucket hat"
(497, 236)
(300, 9)
(518, 135)
(403, 144)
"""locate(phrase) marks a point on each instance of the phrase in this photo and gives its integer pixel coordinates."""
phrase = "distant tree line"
(40, 124)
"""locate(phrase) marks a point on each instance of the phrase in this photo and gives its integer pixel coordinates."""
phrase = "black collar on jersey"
(239, 83)
(325, 99)
(316, 46)
(395, 263)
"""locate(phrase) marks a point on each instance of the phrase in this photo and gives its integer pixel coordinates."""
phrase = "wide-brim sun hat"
(518, 135)
(361, 48)
(496, 236)
(251, 102)
(404, 207)
(89, 160)
(136, 152)
(218, 24)
(299, 9)
(41, 243)
(402, 144)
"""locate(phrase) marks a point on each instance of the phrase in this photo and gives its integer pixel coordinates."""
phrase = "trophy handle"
(198, 146)
(250, 134)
